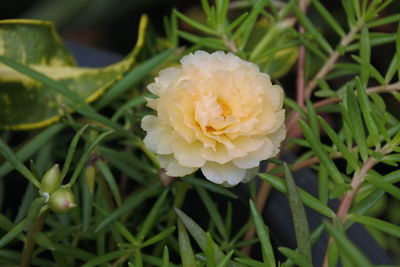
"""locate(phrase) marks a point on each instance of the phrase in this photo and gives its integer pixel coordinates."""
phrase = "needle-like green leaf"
(320, 152)
(308, 200)
(263, 236)
(347, 248)
(299, 216)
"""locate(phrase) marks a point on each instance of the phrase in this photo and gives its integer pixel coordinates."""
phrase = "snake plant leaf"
(26, 103)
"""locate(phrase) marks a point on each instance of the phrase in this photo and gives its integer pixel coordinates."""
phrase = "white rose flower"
(218, 113)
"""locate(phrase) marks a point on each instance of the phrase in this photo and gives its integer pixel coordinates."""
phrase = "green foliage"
(128, 212)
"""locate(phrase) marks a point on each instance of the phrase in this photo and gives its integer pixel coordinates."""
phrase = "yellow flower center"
(226, 111)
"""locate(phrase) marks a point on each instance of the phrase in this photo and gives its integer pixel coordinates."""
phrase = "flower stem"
(347, 200)
(329, 64)
(30, 243)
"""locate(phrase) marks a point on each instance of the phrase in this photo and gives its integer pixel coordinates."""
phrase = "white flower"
(218, 113)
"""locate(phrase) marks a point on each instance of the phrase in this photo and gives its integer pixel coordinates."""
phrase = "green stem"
(30, 242)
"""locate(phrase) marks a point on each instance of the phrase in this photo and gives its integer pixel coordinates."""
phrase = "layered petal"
(223, 173)
(158, 136)
(172, 167)
(218, 113)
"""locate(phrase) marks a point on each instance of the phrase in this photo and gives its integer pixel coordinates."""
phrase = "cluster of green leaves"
(129, 213)
(267, 39)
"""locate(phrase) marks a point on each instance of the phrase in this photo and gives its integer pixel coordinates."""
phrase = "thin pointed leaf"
(378, 224)
(109, 177)
(368, 202)
(85, 156)
(296, 257)
(194, 23)
(328, 17)
(226, 259)
(236, 22)
(250, 262)
(312, 30)
(106, 258)
(210, 251)
(185, 248)
(71, 150)
(308, 200)
(9, 155)
(312, 117)
(138, 259)
(320, 152)
(206, 7)
(263, 236)
(151, 218)
(299, 216)
(356, 122)
(365, 53)
(165, 258)
(366, 111)
(347, 248)
(129, 204)
(213, 211)
(28, 149)
(339, 144)
(293, 105)
(381, 183)
(158, 237)
(74, 252)
(18, 228)
(392, 69)
(348, 8)
(131, 78)
(384, 20)
(200, 236)
(371, 69)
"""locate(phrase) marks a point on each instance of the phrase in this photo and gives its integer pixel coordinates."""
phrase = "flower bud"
(62, 201)
(51, 180)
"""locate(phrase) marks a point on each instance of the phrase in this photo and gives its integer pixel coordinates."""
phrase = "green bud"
(51, 180)
(62, 201)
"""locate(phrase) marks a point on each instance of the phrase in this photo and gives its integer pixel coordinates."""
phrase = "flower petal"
(277, 137)
(158, 138)
(275, 97)
(219, 154)
(223, 173)
(243, 145)
(164, 79)
(188, 155)
(253, 159)
(172, 167)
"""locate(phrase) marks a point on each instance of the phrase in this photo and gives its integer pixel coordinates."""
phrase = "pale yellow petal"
(219, 155)
(244, 145)
(188, 155)
(253, 159)
(158, 138)
(165, 78)
(277, 137)
(172, 167)
(275, 97)
(225, 174)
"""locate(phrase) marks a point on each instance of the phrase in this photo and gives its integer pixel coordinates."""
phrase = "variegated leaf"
(26, 103)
